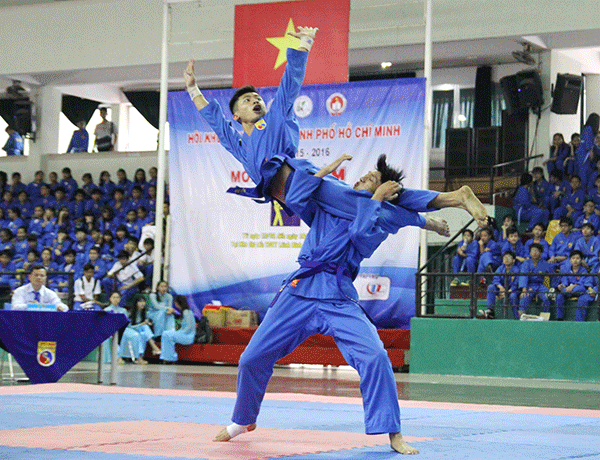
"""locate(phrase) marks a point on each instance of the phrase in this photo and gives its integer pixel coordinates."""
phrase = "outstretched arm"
(333, 166)
(190, 82)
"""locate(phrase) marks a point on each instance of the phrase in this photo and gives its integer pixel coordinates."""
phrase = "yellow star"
(283, 43)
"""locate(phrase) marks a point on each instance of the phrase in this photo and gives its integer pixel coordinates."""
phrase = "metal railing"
(469, 298)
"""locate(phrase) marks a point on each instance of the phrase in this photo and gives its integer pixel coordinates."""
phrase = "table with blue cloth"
(46, 344)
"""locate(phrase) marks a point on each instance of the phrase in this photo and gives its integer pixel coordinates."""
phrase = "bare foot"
(473, 206)
(439, 226)
(120, 361)
(398, 443)
(156, 352)
(141, 361)
(223, 435)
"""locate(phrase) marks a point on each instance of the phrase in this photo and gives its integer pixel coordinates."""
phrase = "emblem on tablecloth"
(46, 353)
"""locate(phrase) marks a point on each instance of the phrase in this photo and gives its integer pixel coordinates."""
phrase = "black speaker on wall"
(487, 149)
(522, 91)
(567, 92)
(459, 151)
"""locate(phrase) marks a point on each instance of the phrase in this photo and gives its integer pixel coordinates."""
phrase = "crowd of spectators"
(566, 199)
(67, 226)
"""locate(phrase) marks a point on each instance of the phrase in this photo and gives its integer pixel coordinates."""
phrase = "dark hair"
(590, 225)
(526, 179)
(574, 135)
(36, 267)
(594, 122)
(538, 169)
(510, 253)
(123, 254)
(488, 230)
(575, 252)
(134, 239)
(468, 231)
(538, 246)
(70, 252)
(148, 241)
(181, 300)
(512, 230)
(88, 267)
(558, 174)
(566, 220)
(239, 93)
(539, 224)
(388, 173)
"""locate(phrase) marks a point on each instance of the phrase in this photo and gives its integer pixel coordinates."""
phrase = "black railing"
(443, 303)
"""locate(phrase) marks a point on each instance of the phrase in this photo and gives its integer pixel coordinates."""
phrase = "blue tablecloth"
(46, 344)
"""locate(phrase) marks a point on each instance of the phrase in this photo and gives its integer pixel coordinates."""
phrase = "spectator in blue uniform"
(14, 144)
(562, 243)
(587, 243)
(532, 286)
(540, 187)
(538, 237)
(526, 207)
(34, 187)
(571, 204)
(513, 243)
(80, 140)
(588, 216)
(573, 285)
(489, 252)
(467, 253)
(559, 151)
(504, 286)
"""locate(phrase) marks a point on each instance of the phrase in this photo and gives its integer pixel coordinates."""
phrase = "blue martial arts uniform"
(320, 298)
(534, 284)
(580, 291)
(274, 141)
(510, 284)
(545, 245)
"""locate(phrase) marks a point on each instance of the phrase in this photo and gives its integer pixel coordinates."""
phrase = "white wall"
(70, 36)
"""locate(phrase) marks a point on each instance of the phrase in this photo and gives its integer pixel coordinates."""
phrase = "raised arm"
(190, 82)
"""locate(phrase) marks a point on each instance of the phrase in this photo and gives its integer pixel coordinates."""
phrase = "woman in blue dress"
(185, 335)
(161, 310)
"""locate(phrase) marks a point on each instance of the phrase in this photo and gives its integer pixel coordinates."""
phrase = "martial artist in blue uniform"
(563, 243)
(320, 298)
(525, 205)
(268, 146)
(533, 285)
(466, 255)
(587, 243)
(571, 204)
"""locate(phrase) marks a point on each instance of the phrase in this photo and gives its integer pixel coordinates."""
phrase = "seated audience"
(588, 215)
(571, 204)
(124, 278)
(537, 232)
(525, 205)
(588, 245)
(87, 290)
(513, 243)
(489, 252)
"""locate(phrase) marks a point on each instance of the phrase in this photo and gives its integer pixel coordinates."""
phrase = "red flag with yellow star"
(261, 40)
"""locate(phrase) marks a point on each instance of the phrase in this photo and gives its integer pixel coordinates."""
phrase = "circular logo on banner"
(336, 104)
(303, 106)
(46, 358)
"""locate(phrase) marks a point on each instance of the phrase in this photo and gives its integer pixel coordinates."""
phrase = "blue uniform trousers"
(583, 302)
(535, 289)
(493, 291)
(461, 264)
(292, 319)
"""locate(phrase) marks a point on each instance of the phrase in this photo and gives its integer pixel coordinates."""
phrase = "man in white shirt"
(87, 289)
(128, 277)
(35, 292)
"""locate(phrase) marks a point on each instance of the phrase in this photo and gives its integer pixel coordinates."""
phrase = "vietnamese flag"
(261, 41)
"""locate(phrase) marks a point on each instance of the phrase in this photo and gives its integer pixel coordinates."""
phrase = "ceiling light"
(385, 65)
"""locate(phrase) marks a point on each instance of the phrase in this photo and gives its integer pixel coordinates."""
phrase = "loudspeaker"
(515, 139)
(510, 92)
(522, 91)
(487, 149)
(459, 151)
(24, 116)
(482, 112)
(566, 94)
(529, 89)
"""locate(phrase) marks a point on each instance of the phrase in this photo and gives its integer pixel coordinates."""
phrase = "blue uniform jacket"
(513, 280)
(529, 267)
(562, 245)
(545, 245)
